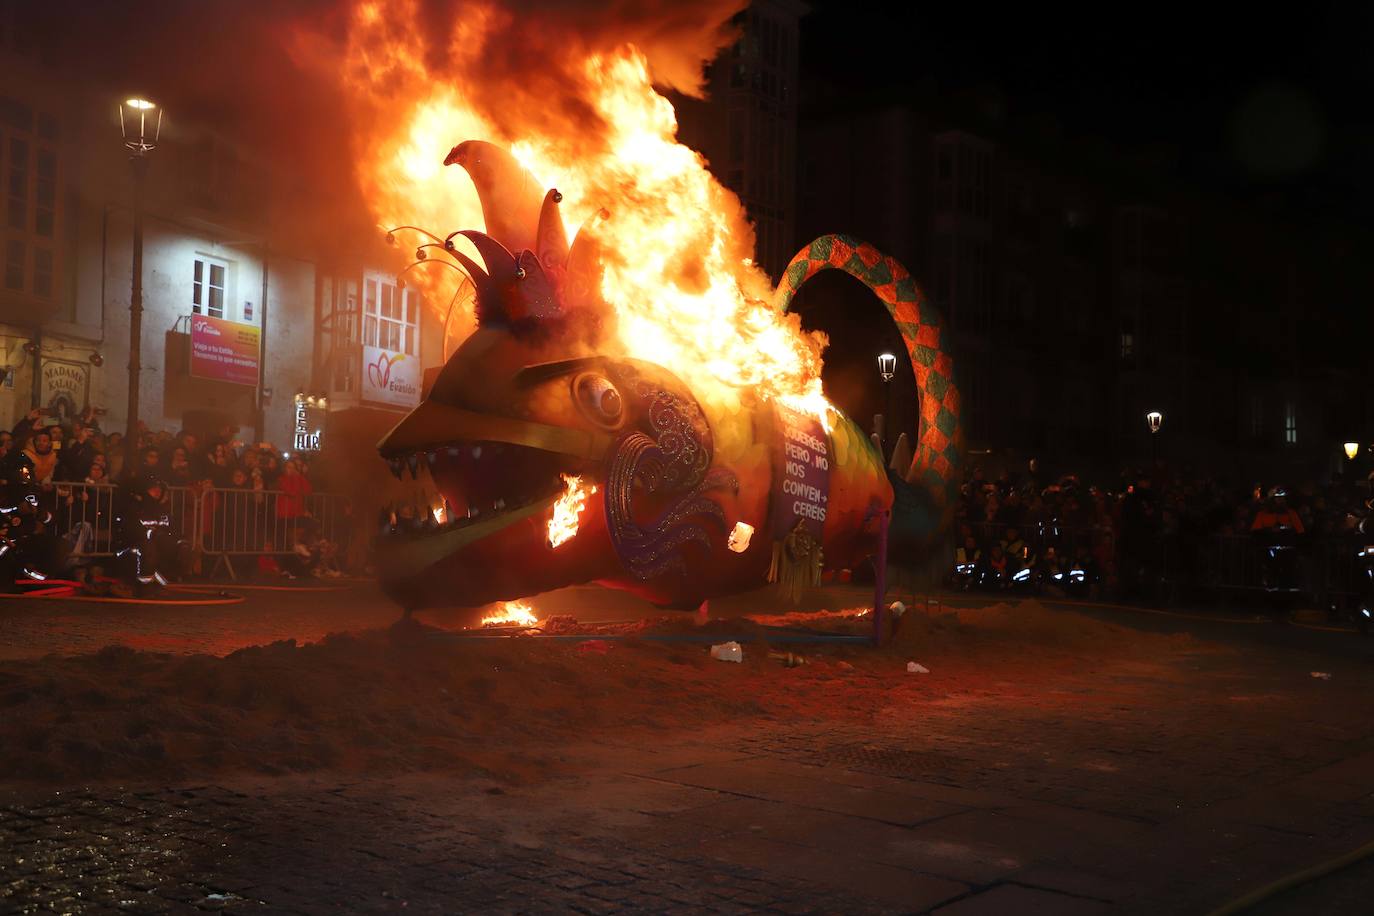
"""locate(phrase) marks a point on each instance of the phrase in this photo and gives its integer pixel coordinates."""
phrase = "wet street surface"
(1144, 786)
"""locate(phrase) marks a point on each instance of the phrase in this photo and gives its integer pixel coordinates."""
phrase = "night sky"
(1270, 103)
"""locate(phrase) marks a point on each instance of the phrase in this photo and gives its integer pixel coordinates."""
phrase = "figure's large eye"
(600, 399)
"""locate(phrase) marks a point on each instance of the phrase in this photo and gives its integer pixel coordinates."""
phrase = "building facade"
(746, 127)
(242, 324)
(1083, 294)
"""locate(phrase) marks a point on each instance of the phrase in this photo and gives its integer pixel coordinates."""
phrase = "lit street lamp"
(1352, 449)
(887, 368)
(1154, 420)
(140, 121)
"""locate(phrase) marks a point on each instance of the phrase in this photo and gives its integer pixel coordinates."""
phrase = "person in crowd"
(1277, 515)
(149, 464)
(312, 555)
(968, 563)
(1276, 527)
(43, 456)
(114, 454)
(1016, 551)
(77, 454)
(146, 551)
(996, 572)
(178, 472)
(1054, 572)
(1082, 575)
(270, 465)
(295, 491)
(29, 548)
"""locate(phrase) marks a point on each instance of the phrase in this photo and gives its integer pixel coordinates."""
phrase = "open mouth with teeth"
(480, 481)
(499, 478)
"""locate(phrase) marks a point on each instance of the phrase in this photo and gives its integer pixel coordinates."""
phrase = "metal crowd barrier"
(84, 514)
(221, 523)
(257, 522)
(1039, 535)
(1324, 568)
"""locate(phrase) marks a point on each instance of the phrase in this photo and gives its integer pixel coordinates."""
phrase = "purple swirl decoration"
(671, 460)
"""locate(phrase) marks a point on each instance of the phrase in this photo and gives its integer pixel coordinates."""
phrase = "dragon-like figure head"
(531, 398)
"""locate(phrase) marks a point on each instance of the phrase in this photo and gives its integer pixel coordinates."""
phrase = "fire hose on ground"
(1296, 879)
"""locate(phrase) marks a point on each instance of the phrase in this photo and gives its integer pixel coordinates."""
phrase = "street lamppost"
(140, 121)
(1154, 419)
(887, 368)
(1352, 450)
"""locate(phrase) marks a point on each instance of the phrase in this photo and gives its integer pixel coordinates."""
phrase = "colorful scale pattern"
(940, 448)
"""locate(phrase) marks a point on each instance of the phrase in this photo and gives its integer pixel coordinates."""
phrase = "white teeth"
(454, 451)
(477, 451)
(431, 457)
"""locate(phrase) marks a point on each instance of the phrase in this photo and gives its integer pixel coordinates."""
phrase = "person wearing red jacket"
(295, 490)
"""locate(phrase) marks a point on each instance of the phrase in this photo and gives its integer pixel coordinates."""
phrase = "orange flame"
(679, 269)
(512, 612)
(563, 522)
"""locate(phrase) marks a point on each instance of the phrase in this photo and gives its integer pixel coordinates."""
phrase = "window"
(42, 272)
(14, 264)
(1290, 423)
(341, 297)
(944, 178)
(736, 128)
(207, 287)
(17, 187)
(972, 181)
(45, 198)
(29, 212)
(1127, 344)
(971, 300)
(391, 316)
(944, 275)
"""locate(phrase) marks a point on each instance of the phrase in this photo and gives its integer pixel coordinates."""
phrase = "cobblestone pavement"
(1150, 788)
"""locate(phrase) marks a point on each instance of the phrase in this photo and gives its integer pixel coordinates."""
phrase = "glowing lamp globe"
(887, 366)
(141, 123)
(1351, 450)
(1154, 419)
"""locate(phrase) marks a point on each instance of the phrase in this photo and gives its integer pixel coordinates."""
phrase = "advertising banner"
(390, 378)
(224, 351)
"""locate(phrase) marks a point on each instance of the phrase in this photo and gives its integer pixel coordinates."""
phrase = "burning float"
(635, 405)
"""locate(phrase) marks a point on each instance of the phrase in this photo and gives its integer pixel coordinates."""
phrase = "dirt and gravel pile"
(415, 698)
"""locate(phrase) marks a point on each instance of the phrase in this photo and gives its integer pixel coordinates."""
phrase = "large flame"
(512, 613)
(564, 521)
(678, 246)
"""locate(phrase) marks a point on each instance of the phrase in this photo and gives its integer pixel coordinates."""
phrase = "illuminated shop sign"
(310, 412)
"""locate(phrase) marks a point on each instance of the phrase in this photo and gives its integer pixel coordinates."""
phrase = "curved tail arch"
(935, 467)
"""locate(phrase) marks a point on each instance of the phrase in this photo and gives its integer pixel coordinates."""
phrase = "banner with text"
(803, 474)
(391, 378)
(224, 351)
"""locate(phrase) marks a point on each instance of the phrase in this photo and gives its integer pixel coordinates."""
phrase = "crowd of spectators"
(75, 450)
(1123, 537)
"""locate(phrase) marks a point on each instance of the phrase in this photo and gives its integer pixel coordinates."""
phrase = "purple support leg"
(880, 580)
